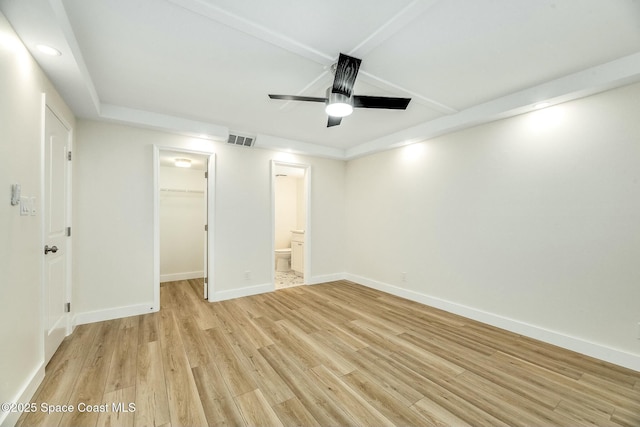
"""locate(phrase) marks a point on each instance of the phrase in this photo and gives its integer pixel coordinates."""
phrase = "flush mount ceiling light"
(48, 50)
(183, 163)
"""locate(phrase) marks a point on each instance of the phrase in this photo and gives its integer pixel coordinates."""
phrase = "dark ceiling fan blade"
(333, 121)
(346, 73)
(360, 101)
(298, 98)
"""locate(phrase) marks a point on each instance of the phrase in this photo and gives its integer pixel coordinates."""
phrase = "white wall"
(301, 208)
(182, 219)
(531, 223)
(113, 200)
(22, 84)
(113, 218)
(286, 207)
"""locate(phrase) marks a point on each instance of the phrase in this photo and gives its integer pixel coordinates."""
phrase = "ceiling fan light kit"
(340, 100)
(338, 105)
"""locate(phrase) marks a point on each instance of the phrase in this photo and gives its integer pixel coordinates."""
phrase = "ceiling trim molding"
(410, 12)
(310, 88)
(65, 26)
(387, 85)
(298, 147)
(173, 124)
(229, 19)
(593, 80)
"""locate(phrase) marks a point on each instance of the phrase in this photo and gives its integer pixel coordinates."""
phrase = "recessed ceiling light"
(48, 50)
(541, 105)
(183, 163)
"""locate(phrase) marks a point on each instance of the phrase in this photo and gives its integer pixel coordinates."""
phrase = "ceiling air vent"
(245, 141)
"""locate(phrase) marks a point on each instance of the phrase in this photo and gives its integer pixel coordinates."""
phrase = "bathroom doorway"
(291, 237)
(183, 185)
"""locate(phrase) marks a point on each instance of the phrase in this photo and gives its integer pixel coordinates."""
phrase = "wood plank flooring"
(336, 354)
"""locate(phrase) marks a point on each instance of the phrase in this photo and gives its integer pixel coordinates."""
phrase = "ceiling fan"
(340, 100)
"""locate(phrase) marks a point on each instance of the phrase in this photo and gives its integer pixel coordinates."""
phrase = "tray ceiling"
(205, 67)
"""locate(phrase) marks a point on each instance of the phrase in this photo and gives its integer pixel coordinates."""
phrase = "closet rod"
(178, 190)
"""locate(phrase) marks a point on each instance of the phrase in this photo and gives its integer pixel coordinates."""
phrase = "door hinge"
(69, 155)
(206, 280)
(68, 231)
(206, 227)
(67, 307)
(206, 175)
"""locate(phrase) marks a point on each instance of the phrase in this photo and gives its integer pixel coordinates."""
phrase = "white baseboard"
(326, 278)
(569, 342)
(240, 292)
(579, 345)
(9, 419)
(181, 276)
(112, 313)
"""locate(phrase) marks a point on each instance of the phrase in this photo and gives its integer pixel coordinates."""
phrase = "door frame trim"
(211, 167)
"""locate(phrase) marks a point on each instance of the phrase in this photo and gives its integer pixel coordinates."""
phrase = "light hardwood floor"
(336, 354)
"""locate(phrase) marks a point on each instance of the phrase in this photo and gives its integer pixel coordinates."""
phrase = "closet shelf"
(179, 190)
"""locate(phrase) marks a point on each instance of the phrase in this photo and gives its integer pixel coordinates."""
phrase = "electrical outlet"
(404, 277)
(247, 275)
(638, 335)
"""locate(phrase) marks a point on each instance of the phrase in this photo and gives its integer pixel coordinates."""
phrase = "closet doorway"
(182, 216)
(291, 236)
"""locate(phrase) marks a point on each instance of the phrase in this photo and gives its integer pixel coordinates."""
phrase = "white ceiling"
(205, 67)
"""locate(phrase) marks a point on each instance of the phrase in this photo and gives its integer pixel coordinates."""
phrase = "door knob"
(48, 249)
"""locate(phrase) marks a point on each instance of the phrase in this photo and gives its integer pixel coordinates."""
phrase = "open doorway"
(290, 183)
(183, 212)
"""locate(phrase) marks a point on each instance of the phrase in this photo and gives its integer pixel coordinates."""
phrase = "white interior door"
(206, 231)
(56, 148)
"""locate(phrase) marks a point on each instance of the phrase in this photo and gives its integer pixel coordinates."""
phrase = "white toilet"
(283, 259)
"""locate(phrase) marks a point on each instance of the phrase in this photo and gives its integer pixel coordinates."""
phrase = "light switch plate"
(24, 206)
